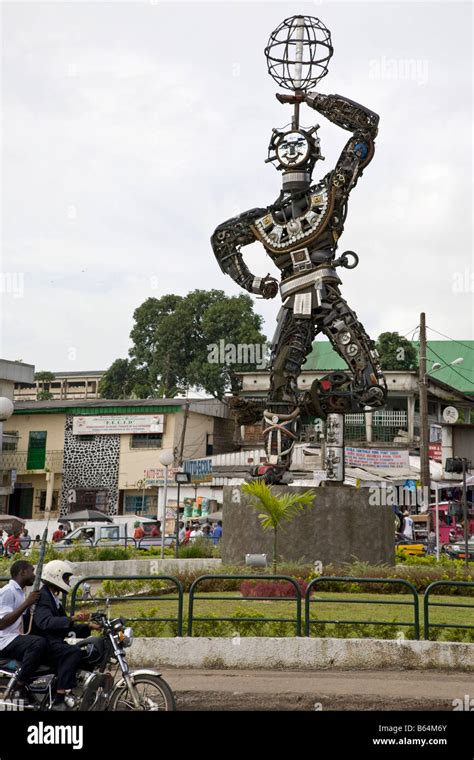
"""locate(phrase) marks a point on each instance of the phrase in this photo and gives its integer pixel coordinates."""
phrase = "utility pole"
(465, 465)
(424, 431)
(183, 434)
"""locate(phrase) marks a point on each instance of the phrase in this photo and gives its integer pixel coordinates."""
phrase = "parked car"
(458, 550)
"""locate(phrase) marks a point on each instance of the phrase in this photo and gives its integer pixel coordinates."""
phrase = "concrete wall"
(130, 567)
(341, 526)
(304, 653)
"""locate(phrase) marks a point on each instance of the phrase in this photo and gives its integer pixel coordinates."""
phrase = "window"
(110, 532)
(36, 450)
(10, 445)
(40, 501)
(90, 499)
(146, 441)
(136, 505)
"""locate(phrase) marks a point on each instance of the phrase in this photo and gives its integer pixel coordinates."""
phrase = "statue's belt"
(298, 282)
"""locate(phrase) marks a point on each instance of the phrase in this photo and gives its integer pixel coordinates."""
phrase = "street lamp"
(437, 365)
(180, 477)
(166, 458)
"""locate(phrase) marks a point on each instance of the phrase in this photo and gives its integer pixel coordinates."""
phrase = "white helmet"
(58, 574)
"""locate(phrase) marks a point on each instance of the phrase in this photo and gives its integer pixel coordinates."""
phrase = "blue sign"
(199, 469)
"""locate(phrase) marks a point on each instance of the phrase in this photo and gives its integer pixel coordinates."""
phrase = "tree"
(122, 380)
(396, 352)
(44, 378)
(276, 509)
(199, 340)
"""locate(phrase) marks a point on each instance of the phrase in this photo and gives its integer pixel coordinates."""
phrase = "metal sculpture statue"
(300, 232)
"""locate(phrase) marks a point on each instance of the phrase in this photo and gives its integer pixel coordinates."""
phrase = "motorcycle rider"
(31, 650)
(51, 622)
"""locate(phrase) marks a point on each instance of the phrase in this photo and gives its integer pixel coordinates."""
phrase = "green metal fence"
(296, 620)
(427, 603)
(193, 597)
(178, 619)
(343, 579)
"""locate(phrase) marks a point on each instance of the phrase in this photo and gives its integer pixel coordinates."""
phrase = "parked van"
(106, 534)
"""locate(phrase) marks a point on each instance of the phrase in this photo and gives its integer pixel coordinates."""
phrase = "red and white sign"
(434, 451)
(388, 459)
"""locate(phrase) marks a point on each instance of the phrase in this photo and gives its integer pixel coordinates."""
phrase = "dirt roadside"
(319, 690)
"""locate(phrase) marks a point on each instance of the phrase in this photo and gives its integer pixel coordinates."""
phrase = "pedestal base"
(341, 527)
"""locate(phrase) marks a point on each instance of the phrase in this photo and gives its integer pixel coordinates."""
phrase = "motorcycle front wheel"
(153, 693)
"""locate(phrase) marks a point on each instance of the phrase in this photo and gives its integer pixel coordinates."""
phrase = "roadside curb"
(301, 652)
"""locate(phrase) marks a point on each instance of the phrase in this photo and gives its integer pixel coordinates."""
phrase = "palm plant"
(276, 509)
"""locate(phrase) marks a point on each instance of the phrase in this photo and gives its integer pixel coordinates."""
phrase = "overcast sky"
(130, 130)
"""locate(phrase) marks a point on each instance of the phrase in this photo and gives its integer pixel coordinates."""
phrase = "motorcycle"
(97, 687)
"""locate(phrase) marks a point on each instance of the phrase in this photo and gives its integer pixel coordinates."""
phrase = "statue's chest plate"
(278, 237)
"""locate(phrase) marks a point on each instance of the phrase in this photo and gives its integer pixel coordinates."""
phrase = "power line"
(450, 366)
(470, 348)
(412, 331)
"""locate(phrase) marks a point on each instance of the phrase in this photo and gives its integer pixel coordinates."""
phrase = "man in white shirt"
(196, 532)
(408, 526)
(30, 650)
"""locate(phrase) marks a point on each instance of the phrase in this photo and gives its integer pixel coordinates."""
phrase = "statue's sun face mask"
(293, 150)
(294, 153)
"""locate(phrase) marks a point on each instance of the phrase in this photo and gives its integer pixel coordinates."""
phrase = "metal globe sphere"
(298, 52)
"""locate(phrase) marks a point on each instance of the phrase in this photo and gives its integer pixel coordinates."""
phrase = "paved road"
(332, 690)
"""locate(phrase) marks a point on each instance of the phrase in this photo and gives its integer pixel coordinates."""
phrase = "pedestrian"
(59, 533)
(25, 540)
(138, 532)
(182, 531)
(408, 526)
(29, 649)
(196, 532)
(217, 535)
(187, 534)
(431, 542)
(12, 544)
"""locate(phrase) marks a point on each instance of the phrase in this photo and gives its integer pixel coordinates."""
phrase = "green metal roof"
(324, 358)
(96, 410)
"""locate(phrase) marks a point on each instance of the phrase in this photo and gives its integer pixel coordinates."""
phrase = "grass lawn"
(365, 608)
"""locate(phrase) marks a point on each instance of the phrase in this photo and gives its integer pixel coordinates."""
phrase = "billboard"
(113, 424)
(389, 459)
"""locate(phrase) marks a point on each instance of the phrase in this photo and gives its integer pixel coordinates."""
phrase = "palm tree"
(276, 509)
(45, 379)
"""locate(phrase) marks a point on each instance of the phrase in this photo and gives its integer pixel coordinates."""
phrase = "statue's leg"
(366, 386)
(292, 342)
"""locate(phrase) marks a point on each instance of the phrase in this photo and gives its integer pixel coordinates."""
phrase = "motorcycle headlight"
(126, 637)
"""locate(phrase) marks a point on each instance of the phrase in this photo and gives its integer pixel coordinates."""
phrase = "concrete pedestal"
(342, 526)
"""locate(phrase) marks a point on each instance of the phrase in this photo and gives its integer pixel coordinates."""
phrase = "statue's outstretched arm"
(345, 113)
(228, 239)
(359, 150)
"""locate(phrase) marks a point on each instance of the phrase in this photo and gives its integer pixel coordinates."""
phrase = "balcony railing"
(18, 460)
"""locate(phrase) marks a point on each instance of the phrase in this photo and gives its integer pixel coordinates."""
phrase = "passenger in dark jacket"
(51, 622)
